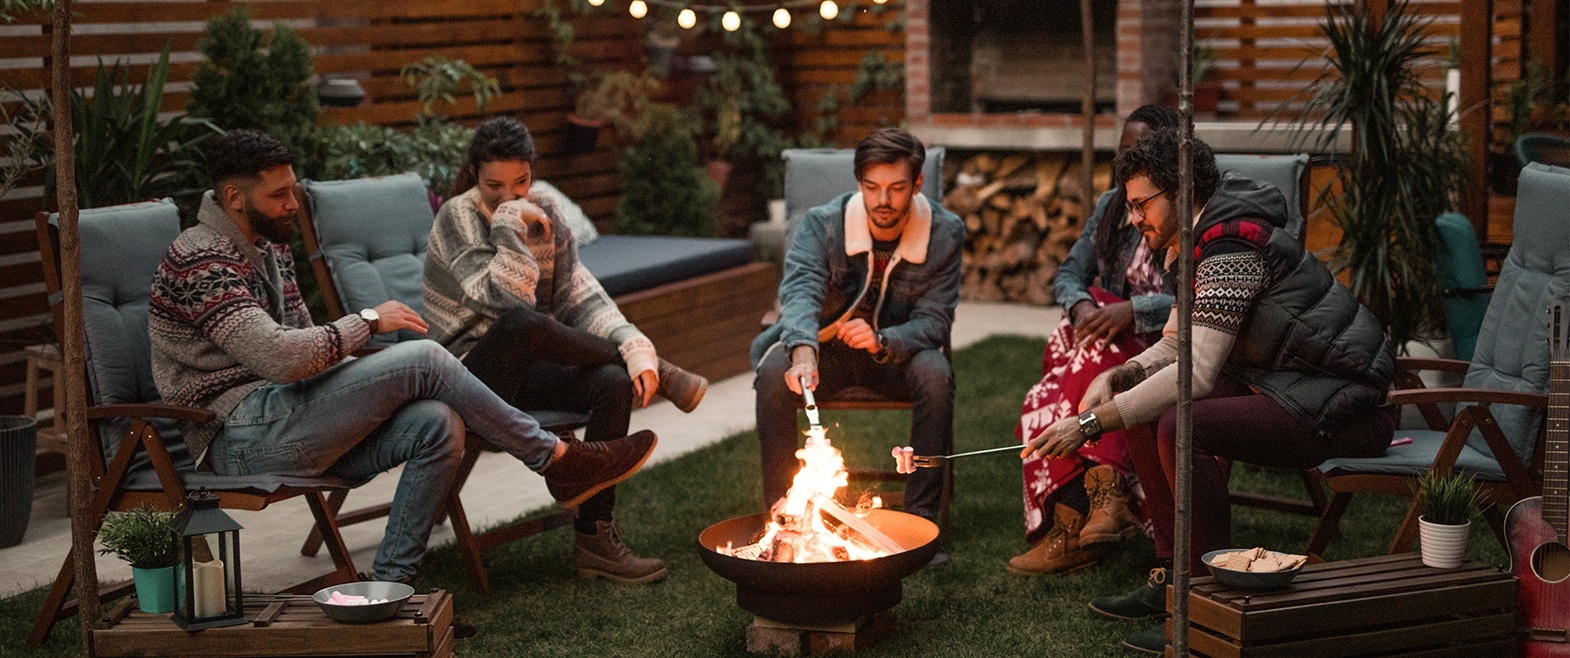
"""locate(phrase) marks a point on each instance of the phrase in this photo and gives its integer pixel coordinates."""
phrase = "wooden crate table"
(284, 625)
(1389, 605)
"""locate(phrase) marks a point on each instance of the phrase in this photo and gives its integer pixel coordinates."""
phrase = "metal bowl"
(1248, 580)
(395, 593)
(819, 592)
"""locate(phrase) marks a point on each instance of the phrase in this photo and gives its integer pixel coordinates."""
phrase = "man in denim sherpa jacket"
(867, 300)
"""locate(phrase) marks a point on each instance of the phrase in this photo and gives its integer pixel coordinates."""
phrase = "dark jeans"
(926, 380)
(1235, 423)
(534, 362)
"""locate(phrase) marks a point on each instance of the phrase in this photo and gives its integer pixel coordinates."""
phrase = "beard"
(277, 230)
(886, 217)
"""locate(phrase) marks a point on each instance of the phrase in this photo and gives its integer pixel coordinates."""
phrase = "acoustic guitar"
(1536, 528)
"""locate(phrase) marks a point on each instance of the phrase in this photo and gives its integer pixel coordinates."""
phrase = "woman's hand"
(1103, 324)
(643, 388)
(1060, 439)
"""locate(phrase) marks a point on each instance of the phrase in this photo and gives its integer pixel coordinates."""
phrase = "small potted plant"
(613, 99)
(1448, 502)
(143, 538)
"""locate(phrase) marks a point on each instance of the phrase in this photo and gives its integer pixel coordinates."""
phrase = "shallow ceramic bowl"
(395, 593)
(1248, 580)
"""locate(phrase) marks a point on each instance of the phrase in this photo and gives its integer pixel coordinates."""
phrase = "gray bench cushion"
(1285, 172)
(1417, 457)
(630, 263)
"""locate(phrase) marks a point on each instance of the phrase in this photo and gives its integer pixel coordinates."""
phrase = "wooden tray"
(289, 625)
(1386, 605)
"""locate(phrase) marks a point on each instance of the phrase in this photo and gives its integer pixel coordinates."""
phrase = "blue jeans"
(408, 404)
(926, 380)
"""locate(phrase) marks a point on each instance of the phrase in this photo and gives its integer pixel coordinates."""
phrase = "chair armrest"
(769, 319)
(169, 411)
(1479, 395)
(1410, 363)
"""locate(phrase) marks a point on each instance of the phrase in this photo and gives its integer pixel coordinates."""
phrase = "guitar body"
(1543, 566)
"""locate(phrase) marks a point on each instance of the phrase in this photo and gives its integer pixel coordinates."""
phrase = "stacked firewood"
(1022, 213)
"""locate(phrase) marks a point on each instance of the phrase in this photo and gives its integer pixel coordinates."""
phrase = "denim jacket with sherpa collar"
(828, 269)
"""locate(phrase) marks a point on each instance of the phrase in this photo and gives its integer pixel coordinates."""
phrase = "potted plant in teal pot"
(1448, 502)
(143, 538)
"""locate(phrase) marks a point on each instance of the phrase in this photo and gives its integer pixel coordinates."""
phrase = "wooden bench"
(706, 324)
(283, 625)
(1389, 605)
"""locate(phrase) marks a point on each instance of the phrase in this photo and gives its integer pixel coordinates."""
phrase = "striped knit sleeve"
(209, 290)
(491, 261)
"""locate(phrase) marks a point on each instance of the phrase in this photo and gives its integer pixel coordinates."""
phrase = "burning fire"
(808, 525)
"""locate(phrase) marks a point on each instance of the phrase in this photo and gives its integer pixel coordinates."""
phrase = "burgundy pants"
(1235, 423)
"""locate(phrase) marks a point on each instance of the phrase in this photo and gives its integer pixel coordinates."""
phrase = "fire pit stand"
(784, 639)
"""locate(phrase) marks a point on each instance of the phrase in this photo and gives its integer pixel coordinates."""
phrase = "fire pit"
(819, 592)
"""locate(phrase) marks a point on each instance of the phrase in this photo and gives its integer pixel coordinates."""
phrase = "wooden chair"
(367, 240)
(139, 457)
(1497, 427)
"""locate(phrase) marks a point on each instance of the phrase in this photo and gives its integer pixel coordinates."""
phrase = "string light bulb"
(828, 10)
(731, 21)
(687, 19)
(879, 2)
(782, 18)
(638, 9)
(596, 2)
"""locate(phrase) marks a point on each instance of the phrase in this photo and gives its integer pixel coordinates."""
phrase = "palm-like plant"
(1405, 167)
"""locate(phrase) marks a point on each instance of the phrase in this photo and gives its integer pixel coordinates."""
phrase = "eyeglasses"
(1137, 206)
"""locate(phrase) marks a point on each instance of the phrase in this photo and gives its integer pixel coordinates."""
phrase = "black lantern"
(209, 572)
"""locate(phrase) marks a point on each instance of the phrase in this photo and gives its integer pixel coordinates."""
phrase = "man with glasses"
(1289, 369)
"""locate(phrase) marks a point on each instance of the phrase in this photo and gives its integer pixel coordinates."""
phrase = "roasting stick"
(908, 463)
(811, 407)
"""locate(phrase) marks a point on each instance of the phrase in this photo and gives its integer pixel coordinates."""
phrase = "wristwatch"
(1090, 426)
(372, 319)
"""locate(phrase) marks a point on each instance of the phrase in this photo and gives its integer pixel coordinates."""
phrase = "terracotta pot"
(719, 170)
(1207, 96)
(582, 134)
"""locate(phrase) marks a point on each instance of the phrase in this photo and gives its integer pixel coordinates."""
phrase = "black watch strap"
(1090, 425)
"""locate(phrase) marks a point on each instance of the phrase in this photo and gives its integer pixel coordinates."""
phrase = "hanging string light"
(731, 21)
(828, 10)
(687, 19)
(596, 3)
(638, 9)
(782, 18)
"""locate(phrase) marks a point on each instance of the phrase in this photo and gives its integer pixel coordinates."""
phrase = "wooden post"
(1087, 25)
(1476, 108)
(1183, 214)
(84, 524)
(1543, 36)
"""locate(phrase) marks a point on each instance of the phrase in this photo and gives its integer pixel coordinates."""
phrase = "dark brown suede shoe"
(682, 388)
(588, 468)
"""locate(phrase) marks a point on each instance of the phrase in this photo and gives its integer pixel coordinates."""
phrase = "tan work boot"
(1059, 552)
(682, 388)
(1110, 519)
(603, 555)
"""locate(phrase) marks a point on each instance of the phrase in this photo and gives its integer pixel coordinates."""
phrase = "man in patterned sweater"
(230, 333)
(1289, 369)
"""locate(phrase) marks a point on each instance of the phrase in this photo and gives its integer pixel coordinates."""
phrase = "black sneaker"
(1147, 601)
(587, 468)
(1153, 641)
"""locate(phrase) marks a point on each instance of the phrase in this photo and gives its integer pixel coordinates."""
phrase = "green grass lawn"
(971, 607)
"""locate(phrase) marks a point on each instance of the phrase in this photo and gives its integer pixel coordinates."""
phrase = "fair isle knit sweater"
(226, 317)
(481, 265)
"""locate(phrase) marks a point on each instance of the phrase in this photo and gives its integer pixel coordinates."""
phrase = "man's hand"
(1102, 324)
(803, 365)
(1060, 439)
(858, 335)
(394, 315)
(643, 388)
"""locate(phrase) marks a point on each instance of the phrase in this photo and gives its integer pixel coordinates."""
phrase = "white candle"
(209, 589)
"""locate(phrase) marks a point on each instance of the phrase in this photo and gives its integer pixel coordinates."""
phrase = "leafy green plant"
(563, 35)
(743, 102)
(434, 150)
(1449, 499)
(665, 190)
(1404, 169)
(141, 537)
(616, 98)
(124, 152)
(875, 73)
(248, 79)
(10, 10)
(437, 78)
(1534, 105)
(27, 145)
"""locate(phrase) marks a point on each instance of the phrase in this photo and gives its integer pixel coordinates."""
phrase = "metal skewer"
(811, 406)
(934, 461)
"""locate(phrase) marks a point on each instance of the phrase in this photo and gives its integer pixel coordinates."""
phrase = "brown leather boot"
(603, 555)
(586, 469)
(1110, 519)
(682, 388)
(1059, 552)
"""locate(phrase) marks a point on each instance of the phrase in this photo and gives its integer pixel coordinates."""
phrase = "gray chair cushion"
(1283, 171)
(814, 177)
(583, 231)
(1417, 457)
(629, 263)
(373, 233)
(1512, 346)
(142, 477)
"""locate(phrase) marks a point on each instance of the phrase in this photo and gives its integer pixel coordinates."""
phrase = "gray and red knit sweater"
(226, 317)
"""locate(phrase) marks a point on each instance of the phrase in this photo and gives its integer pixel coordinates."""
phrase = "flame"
(798, 531)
